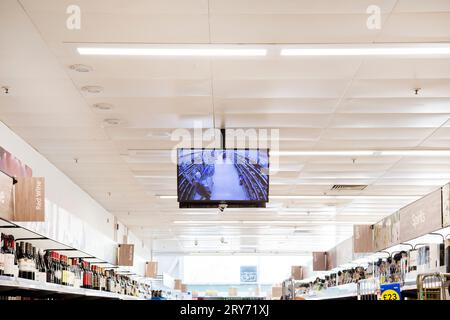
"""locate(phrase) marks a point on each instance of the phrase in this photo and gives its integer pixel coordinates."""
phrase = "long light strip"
(367, 51)
(345, 197)
(168, 197)
(247, 50)
(208, 52)
(291, 222)
(321, 197)
(361, 153)
(206, 222)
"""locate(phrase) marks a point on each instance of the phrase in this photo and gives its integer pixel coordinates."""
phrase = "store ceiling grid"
(340, 103)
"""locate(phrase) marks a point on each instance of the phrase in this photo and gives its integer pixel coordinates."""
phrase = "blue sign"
(390, 291)
(249, 274)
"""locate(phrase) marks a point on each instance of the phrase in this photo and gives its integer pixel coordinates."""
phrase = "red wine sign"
(6, 197)
(29, 199)
(13, 166)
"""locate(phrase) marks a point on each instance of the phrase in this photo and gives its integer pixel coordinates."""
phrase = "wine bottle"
(9, 255)
(95, 278)
(86, 275)
(21, 260)
(57, 265)
(49, 267)
(34, 265)
(63, 270)
(2, 257)
(41, 266)
(31, 269)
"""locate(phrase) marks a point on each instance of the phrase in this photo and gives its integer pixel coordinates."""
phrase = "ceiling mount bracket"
(223, 138)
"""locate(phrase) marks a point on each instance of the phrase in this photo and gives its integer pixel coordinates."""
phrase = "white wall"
(72, 216)
(59, 188)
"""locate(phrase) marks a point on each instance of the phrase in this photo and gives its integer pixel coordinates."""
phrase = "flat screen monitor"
(223, 176)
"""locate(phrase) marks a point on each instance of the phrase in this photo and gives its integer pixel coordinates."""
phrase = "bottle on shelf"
(103, 279)
(41, 267)
(76, 272)
(95, 282)
(2, 258)
(87, 275)
(21, 257)
(58, 268)
(62, 261)
(9, 256)
(50, 276)
(31, 265)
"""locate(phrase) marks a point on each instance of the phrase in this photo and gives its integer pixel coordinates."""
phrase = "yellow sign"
(390, 295)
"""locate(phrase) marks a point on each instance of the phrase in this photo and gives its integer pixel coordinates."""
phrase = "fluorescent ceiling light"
(154, 177)
(313, 197)
(234, 236)
(362, 153)
(206, 51)
(344, 197)
(367, 51)
(322, 153)
(205, 222)
(268, 222)
(417, 153)
(196, 213)
(306, 213)
(273, 222)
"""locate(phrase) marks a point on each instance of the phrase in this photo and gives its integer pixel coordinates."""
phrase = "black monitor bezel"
(230, 203)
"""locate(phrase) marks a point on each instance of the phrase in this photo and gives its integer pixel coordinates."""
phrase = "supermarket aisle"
(226, 181)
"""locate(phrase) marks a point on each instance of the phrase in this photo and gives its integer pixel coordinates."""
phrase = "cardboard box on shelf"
(178, 284)
(297, 272)
(362, 238)
(151, 269)
(276, 292)
(319, 261)
(183, 288)
(232, 292)
(125, 254)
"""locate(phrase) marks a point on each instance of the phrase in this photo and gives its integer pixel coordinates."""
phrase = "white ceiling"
(345, 103)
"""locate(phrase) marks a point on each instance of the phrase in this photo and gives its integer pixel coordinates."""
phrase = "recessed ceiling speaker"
(92, 89)
(112, 122)
(102, 106)
(81, 68)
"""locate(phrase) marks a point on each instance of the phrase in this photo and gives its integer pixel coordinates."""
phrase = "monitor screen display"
(223, 175)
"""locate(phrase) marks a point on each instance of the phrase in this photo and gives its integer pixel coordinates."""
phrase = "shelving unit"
(345, 291)
(350, 291)
(255, 182)
(18, 286)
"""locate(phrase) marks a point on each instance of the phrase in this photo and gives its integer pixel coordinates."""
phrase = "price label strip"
(390, 291)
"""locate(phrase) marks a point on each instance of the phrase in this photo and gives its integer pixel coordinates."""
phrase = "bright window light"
(216, 52)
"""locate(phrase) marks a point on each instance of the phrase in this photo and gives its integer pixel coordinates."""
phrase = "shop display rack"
(350, 290)
(33, 288)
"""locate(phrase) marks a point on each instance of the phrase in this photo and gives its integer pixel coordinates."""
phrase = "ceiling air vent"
(302, 231)
(345, 187)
